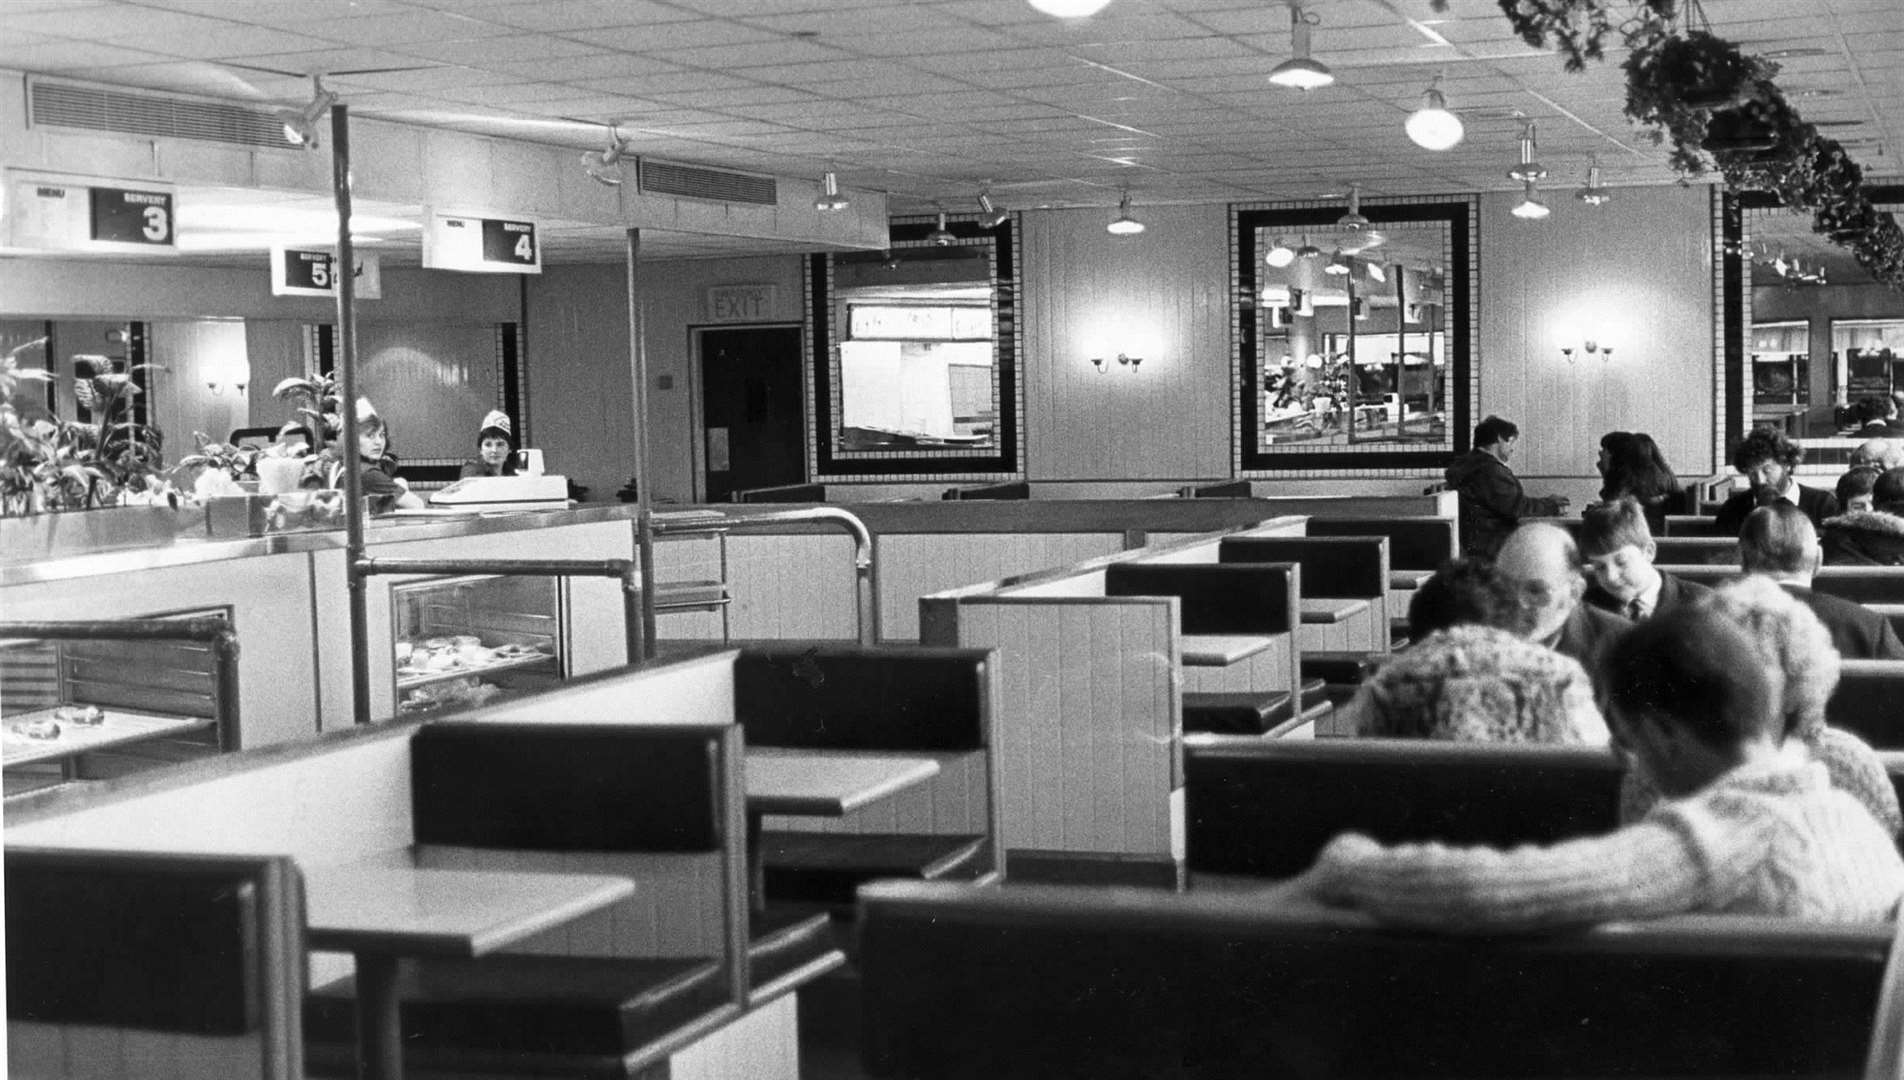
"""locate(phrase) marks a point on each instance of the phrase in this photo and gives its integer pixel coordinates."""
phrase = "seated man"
(1880, 417)
(1471, 676)
(1779, 543)
(1854, 488)
(1873, 537)
(1794, 644)
(1879, 454)
(1748, 826)
(1541, 564)
(1767, 458)
(1619, 548)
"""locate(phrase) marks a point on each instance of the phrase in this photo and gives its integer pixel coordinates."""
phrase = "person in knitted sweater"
(1790, 640)
(1748, 826)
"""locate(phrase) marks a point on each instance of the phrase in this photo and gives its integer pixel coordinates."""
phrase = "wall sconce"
(1591, 347)
(1103, 365)
(218, 388)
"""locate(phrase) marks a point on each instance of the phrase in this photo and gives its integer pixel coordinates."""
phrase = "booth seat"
(1267, 810)
(1417, 546)
(138, 964)
(1869, 702)
(657, 803)
(1036, 982)
(917, 701)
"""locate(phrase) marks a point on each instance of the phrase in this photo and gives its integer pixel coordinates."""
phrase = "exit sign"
(741, 303)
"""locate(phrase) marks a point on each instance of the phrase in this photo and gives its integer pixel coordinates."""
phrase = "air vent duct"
(53, 104)
(701, 182)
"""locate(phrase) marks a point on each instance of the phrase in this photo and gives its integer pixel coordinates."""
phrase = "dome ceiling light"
(1300, 72)
(1125, 225)
(1433, 127)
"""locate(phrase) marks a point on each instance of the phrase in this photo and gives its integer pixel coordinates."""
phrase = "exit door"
(753, 432)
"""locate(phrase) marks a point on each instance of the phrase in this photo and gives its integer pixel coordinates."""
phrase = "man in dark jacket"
(1767, 458)
(1779, 543)
(1872, 537)
(1492, 502)
(1619, 548)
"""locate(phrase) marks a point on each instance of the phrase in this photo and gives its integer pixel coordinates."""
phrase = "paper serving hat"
(498, 420)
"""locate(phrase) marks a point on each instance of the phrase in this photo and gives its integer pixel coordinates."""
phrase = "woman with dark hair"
(1633, 465)
(495, 447)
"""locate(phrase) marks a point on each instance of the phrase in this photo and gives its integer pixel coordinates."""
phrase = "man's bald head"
(1543, 564)
(1881, 453)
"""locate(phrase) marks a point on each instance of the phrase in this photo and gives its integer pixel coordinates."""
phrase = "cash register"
(527, 490)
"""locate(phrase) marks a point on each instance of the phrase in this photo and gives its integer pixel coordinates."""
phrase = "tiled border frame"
(826, 463)
(1382, 464)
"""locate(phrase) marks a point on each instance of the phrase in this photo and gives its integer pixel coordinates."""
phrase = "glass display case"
(97, 708)
(463, 640)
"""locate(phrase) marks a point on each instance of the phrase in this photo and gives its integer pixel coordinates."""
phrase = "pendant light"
(830, 197)
(1528, 170)
(1530, 207)
(1299, 72)
(1433, 127)
(1353, 221)
(1338, 264)
(941, 236)
(1594, 194)
(1069, 9)
(1308, 250)
(1280, 255)
(1125, 225)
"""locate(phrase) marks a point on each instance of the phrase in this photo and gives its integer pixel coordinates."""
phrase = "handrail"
(866, 576)
(217, 633)
(633, 597)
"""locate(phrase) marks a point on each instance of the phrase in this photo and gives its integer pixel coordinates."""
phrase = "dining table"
(819, 783)
(382, 913)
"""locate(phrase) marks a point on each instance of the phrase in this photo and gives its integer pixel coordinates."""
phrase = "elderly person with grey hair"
(1879, 454)
(1791, 642)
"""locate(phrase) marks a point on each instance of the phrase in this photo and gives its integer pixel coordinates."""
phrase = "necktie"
(1635, 610)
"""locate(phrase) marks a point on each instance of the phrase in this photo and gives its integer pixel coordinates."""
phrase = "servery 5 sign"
(481, 245)
(313, 272)
(57, 213)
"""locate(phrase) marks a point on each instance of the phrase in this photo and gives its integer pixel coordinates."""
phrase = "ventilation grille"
(53, 104)
(700, 182)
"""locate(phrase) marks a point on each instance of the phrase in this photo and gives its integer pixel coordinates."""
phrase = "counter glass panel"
(461, 641)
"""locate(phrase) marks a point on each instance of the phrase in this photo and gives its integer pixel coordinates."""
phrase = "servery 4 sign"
(56, 213)
(313, 272)
(481, 245)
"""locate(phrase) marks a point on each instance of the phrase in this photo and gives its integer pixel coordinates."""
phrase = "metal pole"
(1355, 377)
(638, 371)
(644, 550)
(345, 269)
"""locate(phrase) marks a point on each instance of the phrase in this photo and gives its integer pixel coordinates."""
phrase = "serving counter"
(288, 601)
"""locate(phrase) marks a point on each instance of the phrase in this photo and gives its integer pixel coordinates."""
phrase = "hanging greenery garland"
(1722, 111)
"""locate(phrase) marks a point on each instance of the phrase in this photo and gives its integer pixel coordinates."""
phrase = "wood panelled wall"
(1637, 274)
(1162, 295)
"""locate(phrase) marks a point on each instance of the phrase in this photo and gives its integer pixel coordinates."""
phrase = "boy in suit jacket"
(1619, 550)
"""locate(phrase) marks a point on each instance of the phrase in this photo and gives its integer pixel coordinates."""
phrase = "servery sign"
(313, 272)
(65, 214)
(481, 245)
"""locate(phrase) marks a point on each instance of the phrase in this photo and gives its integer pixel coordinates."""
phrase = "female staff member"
(381, 486)
(495, 447)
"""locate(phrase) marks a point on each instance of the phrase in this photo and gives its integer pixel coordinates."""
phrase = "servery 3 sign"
(59, 213)
(481, 245)
(313, 272)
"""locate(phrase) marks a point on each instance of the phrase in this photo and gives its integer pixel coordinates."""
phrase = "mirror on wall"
(1823, 338)
(1352, 345)
(914, 353)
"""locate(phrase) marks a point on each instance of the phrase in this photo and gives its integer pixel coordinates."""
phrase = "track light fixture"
(1280, 255)
(1528, 170)
(604, 165)
(300, 127)
(830, 197)
(1594, 194)
(1300, 72)
(991, 217)
(1530, 207)
(1125, 225)
(941, 236)
(1433, 127)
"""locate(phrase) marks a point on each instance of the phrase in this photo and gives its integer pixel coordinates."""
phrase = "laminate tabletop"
(828, 783)
(410, 911)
